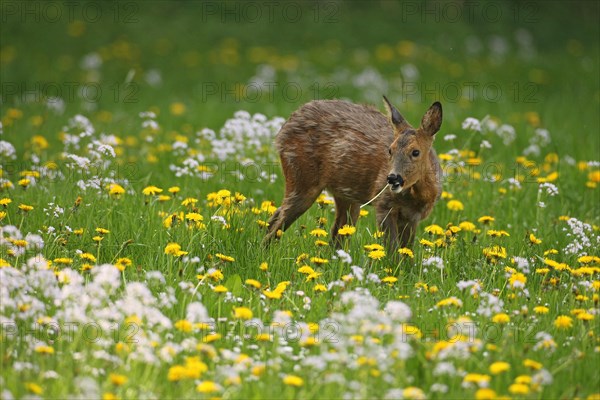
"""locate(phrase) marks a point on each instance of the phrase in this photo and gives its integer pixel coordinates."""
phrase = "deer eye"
(390, 151)
(415, 153)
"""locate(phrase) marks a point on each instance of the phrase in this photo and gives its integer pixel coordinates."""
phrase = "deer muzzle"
(396, 182)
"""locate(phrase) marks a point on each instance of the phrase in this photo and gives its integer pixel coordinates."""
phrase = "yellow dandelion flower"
(25, 207)
(497, 233)
(486, 219)
(485, 394)
(320, 288)
(174, 249)
(177, 108)
(585, 316)
(305, 269)
(594, 176)
(88, 256)
(220, 289)
(151, 191)
(263, 337)
(406, 252)
(174, 189)
(374, 246)
(34, 388)
(376, 254)
(102, 231)
(117, 379)
(563, 322)
(318, 232)
(212, 337)
(293, 380)
(467, 226)
(263, 266)
(114, 189)
(318, 260)
(207, 387)
(435, 230)
(499, 367)
(533, 239)
(426, 243)
(528, 363)
(190, 201)
(224, 258)
(495, 252)
(450, 301)
(517, 280)
(455, 205)
(183, 325)
(324, 200)
(541, 310)
(518, 389)
(309, 342)
(44, 349)
(413, 393)
(254, 283)
(588, 259)
(390, 279)
(501, 318)
(242, 313)
(347, 230)
(479, 379)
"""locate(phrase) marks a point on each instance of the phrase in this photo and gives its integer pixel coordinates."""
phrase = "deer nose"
(395, 180)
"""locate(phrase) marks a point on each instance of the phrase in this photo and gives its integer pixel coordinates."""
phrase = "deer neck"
(426, 188)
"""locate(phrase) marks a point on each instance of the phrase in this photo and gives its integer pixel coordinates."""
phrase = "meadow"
(138, 173)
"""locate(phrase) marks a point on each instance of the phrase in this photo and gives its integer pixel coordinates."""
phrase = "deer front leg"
(387, 221)
(406, 231)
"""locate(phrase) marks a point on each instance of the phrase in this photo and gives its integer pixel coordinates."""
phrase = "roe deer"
(354, 151)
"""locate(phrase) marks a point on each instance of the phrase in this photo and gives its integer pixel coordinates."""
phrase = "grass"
(116, 316)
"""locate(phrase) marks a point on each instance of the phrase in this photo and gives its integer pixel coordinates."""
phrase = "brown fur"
(350, 149)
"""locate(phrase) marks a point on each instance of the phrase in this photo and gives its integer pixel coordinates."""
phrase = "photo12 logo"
(270, 11)
(70, 332)
(89, 92)
(90, 12)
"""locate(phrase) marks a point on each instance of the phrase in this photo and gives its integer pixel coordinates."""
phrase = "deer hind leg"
(291, 209)
(346, 213)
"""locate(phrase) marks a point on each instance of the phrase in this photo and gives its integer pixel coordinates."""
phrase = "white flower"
(398, 310)
(91, 61)
(344, 257)
(507, 133)
(472, 124)
(436, 261)
(551, 189)
(7, 150)
(196, 312)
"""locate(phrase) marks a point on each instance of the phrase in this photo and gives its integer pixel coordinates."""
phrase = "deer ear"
(395, 116)
(432, 120)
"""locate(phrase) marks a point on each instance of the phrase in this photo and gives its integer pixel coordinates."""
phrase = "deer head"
(409, 152)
